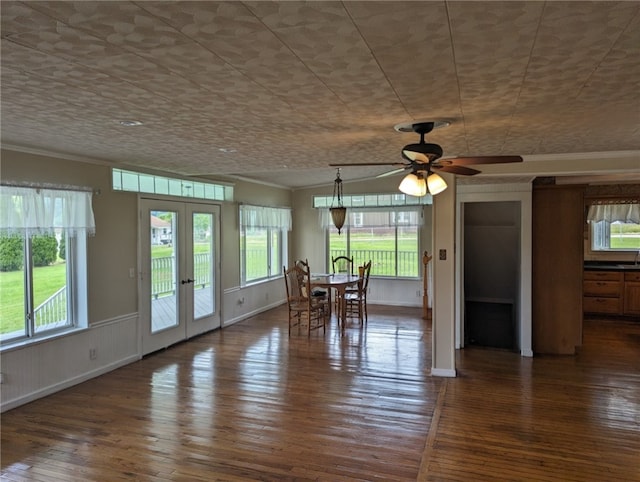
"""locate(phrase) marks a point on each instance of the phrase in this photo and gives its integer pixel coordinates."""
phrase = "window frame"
(76, 297)
(273, 266)
(605, 247)
(63, 212)
(396, 226)
(603, 214)
(273, 221)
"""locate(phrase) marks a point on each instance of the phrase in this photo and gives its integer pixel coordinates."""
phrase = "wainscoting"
(39, 369)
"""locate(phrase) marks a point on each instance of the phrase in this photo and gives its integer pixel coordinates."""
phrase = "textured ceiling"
(275, 91)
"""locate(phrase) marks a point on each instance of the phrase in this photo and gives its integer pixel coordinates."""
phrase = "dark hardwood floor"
(250, 403)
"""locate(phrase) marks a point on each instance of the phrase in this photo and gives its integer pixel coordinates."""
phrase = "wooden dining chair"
(304, 308)
(356, 301)
(304, 264)
(341, 265)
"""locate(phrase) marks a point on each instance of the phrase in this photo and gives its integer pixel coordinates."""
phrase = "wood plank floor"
(249, 403)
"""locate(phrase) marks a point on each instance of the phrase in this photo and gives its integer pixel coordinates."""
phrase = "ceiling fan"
(424, 159)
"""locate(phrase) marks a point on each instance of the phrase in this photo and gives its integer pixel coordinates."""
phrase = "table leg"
(343, 309)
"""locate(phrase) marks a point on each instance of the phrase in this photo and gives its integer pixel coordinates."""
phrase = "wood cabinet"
(632, 293)
(611, 292)
(603, 292)
(557, 259)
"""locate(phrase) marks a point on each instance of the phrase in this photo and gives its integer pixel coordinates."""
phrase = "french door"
(180, 269)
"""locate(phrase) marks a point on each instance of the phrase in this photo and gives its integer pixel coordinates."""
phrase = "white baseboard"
(249, 314)
(56, 387)
(443, 372)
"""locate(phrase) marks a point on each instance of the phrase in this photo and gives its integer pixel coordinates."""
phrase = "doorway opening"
(491, 273)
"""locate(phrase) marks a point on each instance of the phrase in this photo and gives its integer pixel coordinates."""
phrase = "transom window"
(132, 181)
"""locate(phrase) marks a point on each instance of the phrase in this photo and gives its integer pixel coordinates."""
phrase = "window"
(373, 200)
(263, 245)
(43, 261)
(138, 182)
(389, 237)
(615, 226)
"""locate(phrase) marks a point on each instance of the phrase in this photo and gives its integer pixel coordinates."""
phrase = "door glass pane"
(12, 296)
(49, 282)
(164, 305)
(203, 263)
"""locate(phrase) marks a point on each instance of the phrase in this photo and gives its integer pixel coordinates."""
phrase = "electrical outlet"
(92, 354)
(443, 254)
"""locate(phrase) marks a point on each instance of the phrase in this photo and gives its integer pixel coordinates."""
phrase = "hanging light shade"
(338, 215)
(338, 212)
(436, 184)
(414, 184)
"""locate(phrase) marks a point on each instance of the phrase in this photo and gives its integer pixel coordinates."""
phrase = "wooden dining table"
(339, 282)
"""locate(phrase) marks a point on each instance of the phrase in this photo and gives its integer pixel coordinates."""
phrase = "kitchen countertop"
(611, 266)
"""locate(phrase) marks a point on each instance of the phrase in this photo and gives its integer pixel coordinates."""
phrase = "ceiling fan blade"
(395, 171)
(346, 164)
(469, 160)
(461, 170)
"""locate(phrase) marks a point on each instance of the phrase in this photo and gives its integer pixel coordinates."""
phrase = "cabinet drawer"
(602, 305)
(608, 289)
(603, 275)
(632, 276)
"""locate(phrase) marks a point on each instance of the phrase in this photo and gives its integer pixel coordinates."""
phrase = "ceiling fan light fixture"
(414, 184)
(422, 152)
(436, 184)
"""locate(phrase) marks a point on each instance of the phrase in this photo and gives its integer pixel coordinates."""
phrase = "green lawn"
(625, 242)
(47, 280)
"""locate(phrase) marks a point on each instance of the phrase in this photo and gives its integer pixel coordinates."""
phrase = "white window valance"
(44, 211)
(377, 217)
(621, 212)
(265, 217)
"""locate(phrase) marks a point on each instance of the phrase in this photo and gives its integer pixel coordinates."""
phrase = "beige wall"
(114, 248)
(444, 219)
(249, 193)
(113, 295)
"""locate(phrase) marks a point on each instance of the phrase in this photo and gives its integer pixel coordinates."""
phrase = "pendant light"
(338, 212)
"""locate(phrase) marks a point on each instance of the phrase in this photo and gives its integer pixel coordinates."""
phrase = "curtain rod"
(56, 187)
(263, 206)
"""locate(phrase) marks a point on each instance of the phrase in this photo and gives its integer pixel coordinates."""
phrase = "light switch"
(132, 273)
